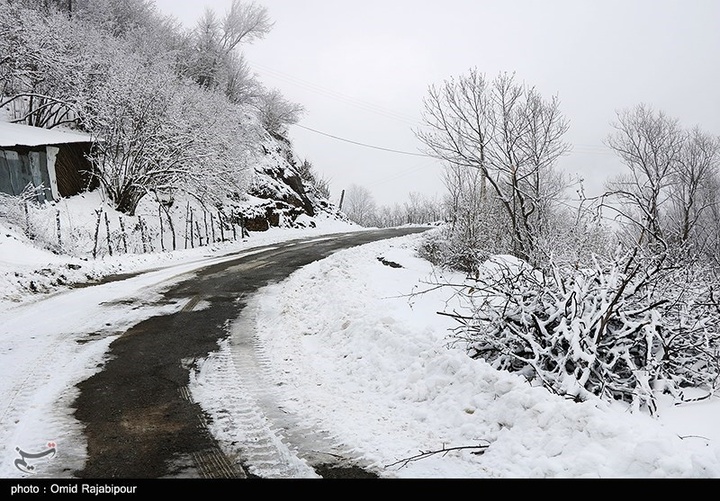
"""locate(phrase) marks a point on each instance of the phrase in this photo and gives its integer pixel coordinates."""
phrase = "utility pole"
(342, 197)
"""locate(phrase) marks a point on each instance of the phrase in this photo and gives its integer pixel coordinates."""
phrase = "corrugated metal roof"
(24, 135)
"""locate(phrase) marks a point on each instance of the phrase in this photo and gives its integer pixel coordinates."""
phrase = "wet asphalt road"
(139, 418)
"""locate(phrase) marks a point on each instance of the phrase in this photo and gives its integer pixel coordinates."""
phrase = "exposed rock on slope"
(279, 196)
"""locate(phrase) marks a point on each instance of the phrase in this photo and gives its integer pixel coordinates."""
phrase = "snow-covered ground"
(348, 352)
(28, 267)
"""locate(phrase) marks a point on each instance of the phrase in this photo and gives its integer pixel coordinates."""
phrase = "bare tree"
(650, 144)
(420, 208)
(241, 87)
(359, 205)
(51, 62)
(42, 67)
(214, 61)
(511, 135)
(317, 184)
(243, 23)
(468, 206)
(668, 198)
(389, 216)
(276, 112)
(692, 189)
(119, 17)
(477, 224)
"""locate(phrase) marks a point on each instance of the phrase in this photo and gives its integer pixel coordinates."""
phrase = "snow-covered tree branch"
(512, 136)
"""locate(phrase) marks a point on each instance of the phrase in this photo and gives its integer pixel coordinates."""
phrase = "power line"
(404, 173)
(332, 94)
(582, 149)
(363, 144)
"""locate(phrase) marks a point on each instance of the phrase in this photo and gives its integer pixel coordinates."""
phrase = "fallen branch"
(695, 399)
(480, 449)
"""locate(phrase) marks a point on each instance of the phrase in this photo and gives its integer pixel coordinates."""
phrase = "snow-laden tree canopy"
(171, 109)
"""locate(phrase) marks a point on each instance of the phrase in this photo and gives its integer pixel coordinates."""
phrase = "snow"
(50, 342)
(25, 268)
(25, 135)
(357, 357)
(348, 352)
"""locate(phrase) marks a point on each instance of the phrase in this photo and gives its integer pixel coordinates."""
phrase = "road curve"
(140, 420)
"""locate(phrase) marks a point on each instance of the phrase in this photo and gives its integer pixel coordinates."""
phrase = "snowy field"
(349, 353)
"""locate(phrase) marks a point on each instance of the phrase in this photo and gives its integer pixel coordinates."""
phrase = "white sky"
(361, 70)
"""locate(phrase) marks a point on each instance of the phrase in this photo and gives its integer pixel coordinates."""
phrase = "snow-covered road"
(341, 349)
(48, 346)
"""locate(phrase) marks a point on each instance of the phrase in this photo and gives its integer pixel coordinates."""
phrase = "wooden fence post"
(107, 229)
(162, 232)
(27, 221)
(200, 238)
(207, 236)
(187, 222)
(222, 230)
(123, 234)
(97, 232)
(59, 233)
(142, 234)
(245, 232)
(148, 237)
(192, 231)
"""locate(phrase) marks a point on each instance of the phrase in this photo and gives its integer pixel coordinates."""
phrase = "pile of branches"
(620, 330)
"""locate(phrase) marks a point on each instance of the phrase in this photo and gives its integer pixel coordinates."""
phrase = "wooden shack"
(54, 161)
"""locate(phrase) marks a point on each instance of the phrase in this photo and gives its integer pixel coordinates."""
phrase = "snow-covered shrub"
(618, 330)
(451, 249)
(476, 229)
(17, 211)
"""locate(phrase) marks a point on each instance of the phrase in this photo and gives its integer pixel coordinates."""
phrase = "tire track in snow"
(239, 423)
(212, 462)
(234, 385)
(37, 410)
(51, 345)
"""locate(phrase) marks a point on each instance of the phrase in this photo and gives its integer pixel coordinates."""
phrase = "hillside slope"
(53, 245)
(278, 196)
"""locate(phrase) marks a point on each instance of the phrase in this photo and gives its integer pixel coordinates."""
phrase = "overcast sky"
(362, 68)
